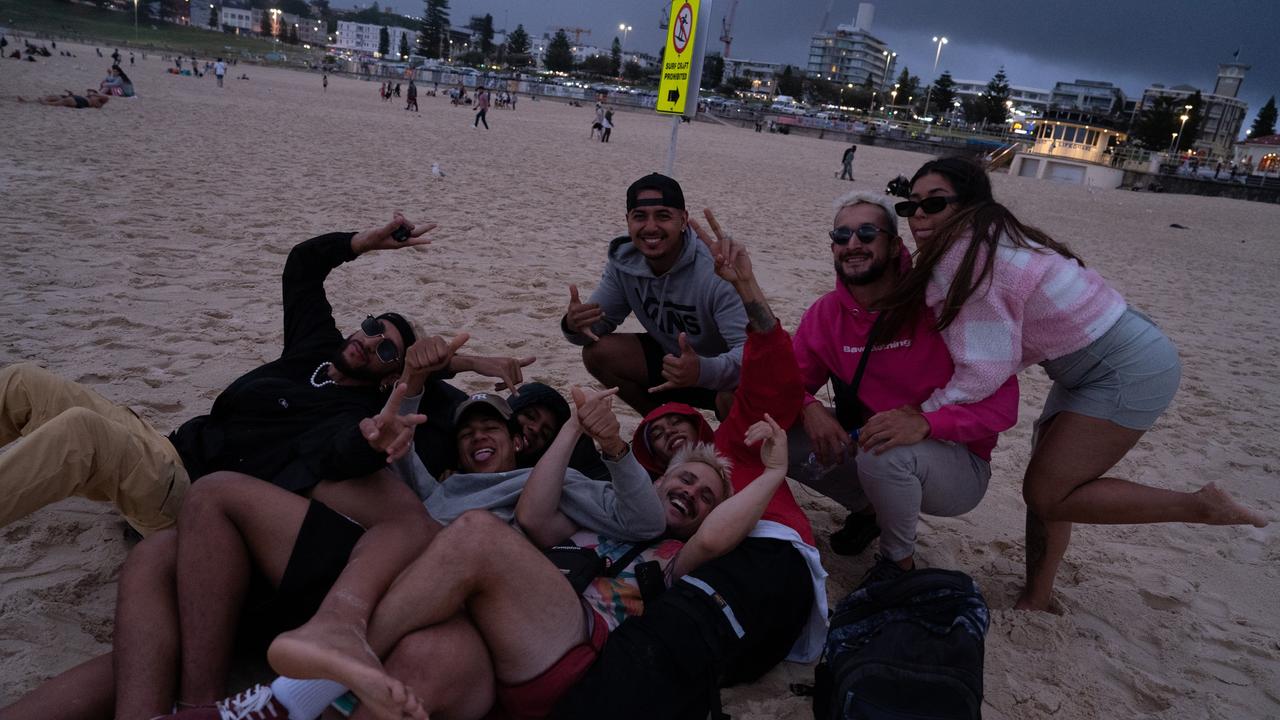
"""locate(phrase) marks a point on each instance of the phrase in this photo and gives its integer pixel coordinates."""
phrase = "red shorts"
(536, 698)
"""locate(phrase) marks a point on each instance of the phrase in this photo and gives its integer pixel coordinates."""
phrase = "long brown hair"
(988, 222)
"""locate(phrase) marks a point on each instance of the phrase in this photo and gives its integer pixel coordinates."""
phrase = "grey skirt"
(1127, 376)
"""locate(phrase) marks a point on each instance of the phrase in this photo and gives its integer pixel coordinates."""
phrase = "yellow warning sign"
(678, 60)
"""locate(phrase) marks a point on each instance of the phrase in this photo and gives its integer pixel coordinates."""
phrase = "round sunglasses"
(387, 350)
(865, 233)
(929, 205)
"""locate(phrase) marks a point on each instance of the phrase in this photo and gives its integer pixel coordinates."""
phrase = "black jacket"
(271, 422)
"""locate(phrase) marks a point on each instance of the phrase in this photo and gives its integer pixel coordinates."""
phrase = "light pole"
(1186, 115)
(135, 19)
(929, 96)
(884, 79)
(894, 95)
(625, 28)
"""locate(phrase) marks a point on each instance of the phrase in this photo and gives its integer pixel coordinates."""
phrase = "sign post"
(682, 66)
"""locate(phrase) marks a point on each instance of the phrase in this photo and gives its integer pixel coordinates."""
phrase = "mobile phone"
(401, 233)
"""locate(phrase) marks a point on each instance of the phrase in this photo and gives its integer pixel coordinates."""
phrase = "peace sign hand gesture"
(732, 262)
(389, 431)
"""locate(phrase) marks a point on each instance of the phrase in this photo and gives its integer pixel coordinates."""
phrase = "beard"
(866, 277)
(364, 374)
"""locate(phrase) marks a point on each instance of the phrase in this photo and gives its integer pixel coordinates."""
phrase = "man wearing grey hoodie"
(694, 322)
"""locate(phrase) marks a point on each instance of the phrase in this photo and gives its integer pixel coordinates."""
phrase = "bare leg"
(238, 520)
(448, 667)
(528, 615)
(85, 692)
(146, 632)
(1064, 483)
(617, 360)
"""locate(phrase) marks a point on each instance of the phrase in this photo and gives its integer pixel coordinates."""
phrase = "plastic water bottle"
(812, 469)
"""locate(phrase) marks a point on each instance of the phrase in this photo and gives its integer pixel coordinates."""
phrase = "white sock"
(305, 699)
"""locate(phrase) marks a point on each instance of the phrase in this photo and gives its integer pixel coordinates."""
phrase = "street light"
(894, 94)
(1173, 141)
(625, 28)
(1185, 116)
(135, 19)
(929, 96)
(884, 79)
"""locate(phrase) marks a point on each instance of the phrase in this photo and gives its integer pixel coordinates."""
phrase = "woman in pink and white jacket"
(1008, 296)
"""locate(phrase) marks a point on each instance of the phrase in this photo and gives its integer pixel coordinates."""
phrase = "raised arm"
(730, 522)
(538, 509)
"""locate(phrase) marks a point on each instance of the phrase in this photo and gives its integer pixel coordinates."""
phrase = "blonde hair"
(706, 454)
(858, 197)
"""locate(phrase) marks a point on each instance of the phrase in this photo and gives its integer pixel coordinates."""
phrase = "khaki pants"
(72, 441)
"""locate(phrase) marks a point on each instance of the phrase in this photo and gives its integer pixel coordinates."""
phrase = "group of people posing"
(379, 531)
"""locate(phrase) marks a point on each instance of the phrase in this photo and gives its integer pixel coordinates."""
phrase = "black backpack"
(910, 648)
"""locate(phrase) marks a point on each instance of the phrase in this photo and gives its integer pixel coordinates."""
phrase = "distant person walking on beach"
(412, 102)
(846, 162)
(325, 82)
(219, 70)
(482, 108)
(1006, 296)
(597, 124)
(115, 56)
(606, 128)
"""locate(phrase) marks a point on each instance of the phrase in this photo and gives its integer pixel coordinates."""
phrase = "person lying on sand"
(91, 99)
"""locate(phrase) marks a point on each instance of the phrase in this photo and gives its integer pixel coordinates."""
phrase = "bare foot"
(1027, 601)
(339, 652)
(1220, 509)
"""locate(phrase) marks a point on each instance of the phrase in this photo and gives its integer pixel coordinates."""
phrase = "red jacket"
(770, 383)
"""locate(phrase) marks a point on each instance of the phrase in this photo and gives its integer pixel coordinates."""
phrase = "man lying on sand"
(91, 99)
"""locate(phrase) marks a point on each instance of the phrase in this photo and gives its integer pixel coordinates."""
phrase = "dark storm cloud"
(1130, 43)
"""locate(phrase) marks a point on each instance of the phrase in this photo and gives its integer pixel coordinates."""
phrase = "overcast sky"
(1131, 43)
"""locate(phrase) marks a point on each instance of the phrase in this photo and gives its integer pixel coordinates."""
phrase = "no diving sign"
(682, 58)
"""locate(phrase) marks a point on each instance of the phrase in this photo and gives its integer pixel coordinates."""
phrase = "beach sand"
(142, 247)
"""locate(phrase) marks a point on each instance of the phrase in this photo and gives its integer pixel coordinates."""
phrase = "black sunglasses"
(866, 233)
(929, 205)
(387, 350)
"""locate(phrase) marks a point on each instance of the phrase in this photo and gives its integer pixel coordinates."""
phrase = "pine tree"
(1156, 124)
(993, 100)
(404, 46)
(944, 93)
(559, 54)
(712, 71)
(384, 41)
(1189, 131)
(908, 87)
(615, 57)
(214, 12)
(1265, 123)
(789, 83)
(518, 41)
(435, 25)
(486, 35)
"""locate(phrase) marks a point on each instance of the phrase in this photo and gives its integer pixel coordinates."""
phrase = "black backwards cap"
(672, 195)
(405, 328)
(536, 393)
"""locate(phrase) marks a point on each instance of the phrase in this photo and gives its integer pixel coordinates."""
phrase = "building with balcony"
(364, 38)
(763, 75)
(1222, 113)
(1035, 101)
(1089, 96)
(851, 54)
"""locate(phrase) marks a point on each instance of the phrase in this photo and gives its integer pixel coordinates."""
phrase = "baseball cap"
(536, 393)
(672, 195)
(494, 402)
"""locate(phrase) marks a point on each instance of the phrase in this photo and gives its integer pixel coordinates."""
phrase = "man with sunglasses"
(694, 322)
(878, 454)
(294, 421)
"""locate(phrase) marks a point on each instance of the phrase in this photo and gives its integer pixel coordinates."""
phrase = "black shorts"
(319, 555)
(667, 662)
(695, 396)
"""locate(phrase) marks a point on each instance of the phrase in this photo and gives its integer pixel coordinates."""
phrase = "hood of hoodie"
(640, 439)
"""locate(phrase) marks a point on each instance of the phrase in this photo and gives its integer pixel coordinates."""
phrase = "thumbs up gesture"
(581, 316)
(681, 370)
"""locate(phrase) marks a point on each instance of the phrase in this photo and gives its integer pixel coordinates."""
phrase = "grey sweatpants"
(931, 477)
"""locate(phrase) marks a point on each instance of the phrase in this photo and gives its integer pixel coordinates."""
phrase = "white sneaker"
(256, 703)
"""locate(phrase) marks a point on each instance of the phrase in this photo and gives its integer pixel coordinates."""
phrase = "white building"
(363, 38)
(1089, 96)
(763, 75)
(1222, 113)
(1259, 156)
(239, 19)
(851, 54)
(1035, 100)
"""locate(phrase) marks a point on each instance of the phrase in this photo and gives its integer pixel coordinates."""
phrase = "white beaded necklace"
(322, 383)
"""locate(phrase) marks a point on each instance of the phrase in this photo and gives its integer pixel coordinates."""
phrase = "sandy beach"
(142, 246)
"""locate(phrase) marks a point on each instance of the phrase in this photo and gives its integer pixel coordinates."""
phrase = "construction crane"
(577, 33)
(726, 25)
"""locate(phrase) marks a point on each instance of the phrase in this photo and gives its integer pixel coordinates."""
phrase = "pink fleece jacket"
(1037, 306)
(832, 337)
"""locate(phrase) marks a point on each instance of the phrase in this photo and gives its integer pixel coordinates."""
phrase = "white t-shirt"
(219, 68)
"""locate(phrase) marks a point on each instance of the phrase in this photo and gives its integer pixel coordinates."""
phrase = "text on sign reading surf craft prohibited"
(677, 64)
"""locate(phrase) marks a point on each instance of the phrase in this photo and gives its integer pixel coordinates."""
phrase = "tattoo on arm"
(759, 317)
